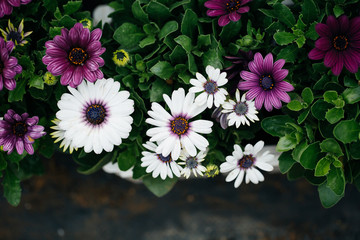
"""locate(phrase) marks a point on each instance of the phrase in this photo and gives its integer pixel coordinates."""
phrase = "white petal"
(264, 166)
(201, 78)
(188, 145)
(176, 150)
(201, 99)
(258, 175)
(252, 176)
(210, 101)
(232, 175)
(201, 126)
(177, 99)
(257, 147)
(239, 179)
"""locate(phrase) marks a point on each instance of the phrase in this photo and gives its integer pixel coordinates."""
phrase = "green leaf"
(18, 93)
(204, 41)
(330, 145)
(327, 196)
(300, 41)
(288, 53)
(330, 96)
(36, 82)
(347, 131)
(162, 69)
(168, 28)
(286, 143)
(158, 88)
(158, 11)
(281, 12)
(189, 24)
(138, 12)
(309, 10)
(3, 163)
(12, 189)
(158, 186)
(295, 172)
(351, 95)
(302, 117)
(185, 42)
(230, 31)
(178, 4)
(284, 38)
(276, 125)
(334, 115)
(50, 5)
(311, 33)
(294, 105)
(298, 151)
(336, 180)
(128, 35)
(307, 95)
(147, 41)
(323, 166)
(310, 156)
(127, 158)
(354, 150)
(212, 57)
(319, 109)
(350, 82)
(285, 162)
(71, 7)
(338, 11)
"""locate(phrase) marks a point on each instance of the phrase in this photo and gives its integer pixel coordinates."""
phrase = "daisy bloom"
(95, 116)
(19, 131)
(75, 55)
(246, 163)
(120, 57)
(212, 170)
(339, 44)
(229, 10)
(209, 88)
(174, 130)
(192, 164)
(16, 35)
(241, 111)
(6, 6)
(265, 82)
(59, 134)
(9, 66)
(158, 164)
(50, 79)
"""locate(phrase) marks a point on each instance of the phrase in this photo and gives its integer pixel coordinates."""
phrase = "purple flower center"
(191, 162)
(19, 129)
(240, 108)
(166, 159)
(77, 56)
(266, 82)
(14, 36)
(179, 125)
(210, 87)
(233, 5)
(246, 161)
(340, 42)
(95, 114)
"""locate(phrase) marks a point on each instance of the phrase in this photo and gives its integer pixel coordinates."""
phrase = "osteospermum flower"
(16, 35)
(209, 88)
(265, 82)
(9, 66)
(158, 164)
(245, 163)
(212, 170)
(192, 164)
(175, 130)
(121, 57)
(241, 111)
(6, 6)
(95, 116)
(229, 10)
(59, 134)
(75, 55)
(339, 44)
(19, 131)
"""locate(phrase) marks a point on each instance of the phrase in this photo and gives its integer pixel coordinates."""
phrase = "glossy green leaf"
(212, 57)
(336, 180)
(158, 186)
(298, 151)
(323, 166)
(302, 117)
(285, 162)
(162, 69)
(158, 11)
(3, 163)
(139, 12)
(289, 53)
(307, 95)
(354, 150)
(347, 131)
(330, 96)
(319, 109)
(330, 145)
(168, 28)
(284, 38)
(71, 7)
(327, 196)
(286, 143)
(12, 189)
(276, 125)
(127, 158)
(309, 10)
(281, 12)
(352, 95)
(310, 156)
(295, 105)
(185, 42)
(128, 35)
(334, 115)
(338, 11)
(189, 24)
(18, 93)
(158, 88)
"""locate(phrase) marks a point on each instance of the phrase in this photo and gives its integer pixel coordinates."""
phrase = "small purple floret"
(9, 66)
(6, 6)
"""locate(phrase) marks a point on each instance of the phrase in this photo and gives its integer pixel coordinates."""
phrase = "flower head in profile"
(210, 93)
(228, 10)
(9, 66)
(212, 170)
(220, 117)
(16, 35)
(339, 44)
(75, 55)
(50, 79)
(241, 111)
(95, 116)
(59, 134)
(121, 57)
(192, 164)
(19, 131)
(6, 6)
(246, 163)
(265, 82)
(174, 130)
(158, 164)
(86, 23)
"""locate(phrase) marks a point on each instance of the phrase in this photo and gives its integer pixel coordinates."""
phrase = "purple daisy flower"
(9, 66)
(229, 10)
(339, 44)
(19, 132)
(266, 82)
(75, 55)
(6, 6)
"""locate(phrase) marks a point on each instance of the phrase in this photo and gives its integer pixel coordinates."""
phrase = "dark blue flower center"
(191, 162)
(120, 55)
(240, 108)
(166, 159)
(19, 129)
(266, 82)
(246, 161)
(179, 125)
(95, 114)
(340, 42)
(233, 5)
(210, 87)
(77, 56)
(14, 36)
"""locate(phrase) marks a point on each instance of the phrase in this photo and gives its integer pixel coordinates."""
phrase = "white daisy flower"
(175, 129)
(241, 111)
(209, 88)
(241, 162)
(192, 164)
(59, 134)
(96, 116)
(158, 164)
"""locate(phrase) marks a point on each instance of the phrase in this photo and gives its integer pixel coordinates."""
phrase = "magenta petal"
(283, 96)
(56, 53)
(258, 60)
(252, 67)
(91, 65)
(11, 62)
(253, 93)
(8, 73)
(84, 37)
(95, 35)
(249, 76)
(78, 76)
(354, 27)
(93, 47)
(284, 86)
(215, 5)
(243, 9)
(333, 24)
(323, 43)
(74, 36)
(1, 82)
(19, 146)
(223, 20)
(215, 12)
(61, 42)
(89, 75)
(243, 2)
(323, 30)
(67, 76)
(278, 64)
(259, 100)
(10, 46)
(99, 61)
(337, 68)
(99, 74)
(245, 85)
(331, 58)
(32, 121)
(29, 148)
(10, 84)
(59, 68)
(268, 63)
(274, 100)
(350, 62)
(316, 54)
(47, 59)
(234, 16)
(9, 144)
(280, 75)
(344, 24)
(267, 103)
(14, 3)
(24, 116)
